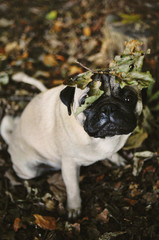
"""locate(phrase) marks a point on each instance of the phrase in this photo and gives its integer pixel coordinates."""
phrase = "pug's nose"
(109, 108)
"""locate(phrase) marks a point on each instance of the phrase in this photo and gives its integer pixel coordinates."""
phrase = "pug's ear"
(67, 97)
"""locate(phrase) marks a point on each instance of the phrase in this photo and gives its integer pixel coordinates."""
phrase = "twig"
(83, 65)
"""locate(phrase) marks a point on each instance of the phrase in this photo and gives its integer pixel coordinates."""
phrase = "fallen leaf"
(74, 70)
(5, 22)
(84, 219)
(76, 227)
(60, 57)
(87, 31)
(117, 185)
(57, 187)
(57, 26)
(57, 82)
(103, 216)
(132, 202)
(18, 224)
(51, 15)
(99, 178)
(4, 78)
(135, 192)
(45, 222)
(25, 55)
(110, 235)
(149, 169)
(138, 161)
(150, 197)
(136, 138)
(129, 18)
(11, 46)
(49, 201)
(50, 60)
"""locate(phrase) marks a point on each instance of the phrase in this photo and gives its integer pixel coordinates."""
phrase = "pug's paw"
(74, 213)
(117, 159)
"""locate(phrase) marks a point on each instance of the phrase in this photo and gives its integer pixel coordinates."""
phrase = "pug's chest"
(100, 149)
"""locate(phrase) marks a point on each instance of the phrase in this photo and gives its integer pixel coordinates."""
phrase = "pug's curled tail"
(6, 128)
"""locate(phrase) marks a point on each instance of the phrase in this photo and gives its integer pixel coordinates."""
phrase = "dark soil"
(116, 203)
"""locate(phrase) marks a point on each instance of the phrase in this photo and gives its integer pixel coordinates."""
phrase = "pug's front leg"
(70, 173)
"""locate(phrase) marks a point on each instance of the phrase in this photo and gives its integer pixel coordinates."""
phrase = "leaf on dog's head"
(81, 80)
(88, 102)
(127, 68)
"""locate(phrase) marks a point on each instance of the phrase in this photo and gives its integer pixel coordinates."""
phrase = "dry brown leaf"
(117, 185)
(45, 222)
(57, 82)
(99, 178)
(57, 187)
(136, 139)
(76, 227)
(18, 224)
(58, 26)
(149, 169)
(132, 202)
(11, 46)
(50, 60)
(135, 192)
(150, 197)
(103, 216)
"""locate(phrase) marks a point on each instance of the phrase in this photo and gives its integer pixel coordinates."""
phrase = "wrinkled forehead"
(109, 85)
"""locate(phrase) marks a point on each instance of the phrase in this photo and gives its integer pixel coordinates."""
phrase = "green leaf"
(88, 102)
(143, 79)
(51, 15)
(138, 64)
(154, 97)
(136, 138)
(81, 80)
(126, 68)
(4, 78)
(129, 18)
(156, 108)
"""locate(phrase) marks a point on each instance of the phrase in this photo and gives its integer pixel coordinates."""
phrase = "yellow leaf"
(58, 26)
(51, 15)
(87, 31)
(74, 69)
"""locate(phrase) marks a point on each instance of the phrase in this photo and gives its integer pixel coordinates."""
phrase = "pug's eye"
(83, 100)
(129, 98)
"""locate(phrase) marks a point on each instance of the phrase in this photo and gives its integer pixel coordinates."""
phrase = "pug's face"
(114, 113)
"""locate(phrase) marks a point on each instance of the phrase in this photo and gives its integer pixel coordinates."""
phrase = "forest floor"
(44, 39)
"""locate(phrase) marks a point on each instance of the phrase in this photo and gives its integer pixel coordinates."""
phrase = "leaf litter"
(117, 204)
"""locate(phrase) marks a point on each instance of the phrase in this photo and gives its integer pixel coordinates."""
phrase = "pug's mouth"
(102, 125)
(108, 130)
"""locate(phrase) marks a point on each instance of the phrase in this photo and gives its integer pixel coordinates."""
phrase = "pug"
(48, 135)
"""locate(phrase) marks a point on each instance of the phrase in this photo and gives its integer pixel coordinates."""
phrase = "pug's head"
(114, 113)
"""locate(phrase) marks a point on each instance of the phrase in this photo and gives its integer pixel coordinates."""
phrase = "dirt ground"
(44, 39)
